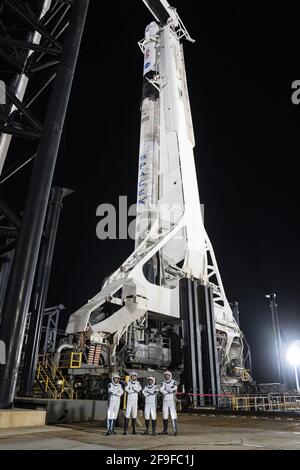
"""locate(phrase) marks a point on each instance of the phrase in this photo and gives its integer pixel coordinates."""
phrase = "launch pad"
(197, 433)
(164, 308)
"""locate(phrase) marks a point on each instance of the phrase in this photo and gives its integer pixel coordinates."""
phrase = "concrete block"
(18, 418)
(66, 411)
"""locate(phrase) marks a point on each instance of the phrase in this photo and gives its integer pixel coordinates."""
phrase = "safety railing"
(257, 403)
(266, 403)
(71, 360)
(46, 382)
(204, 400)
(52, 380)
(245, 376)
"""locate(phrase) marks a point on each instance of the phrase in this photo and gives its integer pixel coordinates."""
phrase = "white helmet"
(133, 374)
(151, 378)
(115, 376)
(168, 373)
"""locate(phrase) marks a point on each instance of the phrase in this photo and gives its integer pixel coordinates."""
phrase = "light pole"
(293, 356)
(277, 334)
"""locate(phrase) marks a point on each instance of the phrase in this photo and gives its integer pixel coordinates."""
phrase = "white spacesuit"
(132, 389)
(150, 393)
(115, 391)
(168, 389)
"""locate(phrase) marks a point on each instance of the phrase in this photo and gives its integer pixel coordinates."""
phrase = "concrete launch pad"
(195, 433)
(18, 418)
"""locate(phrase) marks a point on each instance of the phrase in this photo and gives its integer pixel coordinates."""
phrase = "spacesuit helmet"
(168, 376)
(115, 378)
(133, 376)
(150, 381)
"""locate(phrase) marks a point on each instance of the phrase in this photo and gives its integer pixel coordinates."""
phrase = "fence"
(266, 403)
(284, 402)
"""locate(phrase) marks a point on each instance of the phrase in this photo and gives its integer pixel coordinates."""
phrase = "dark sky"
(240, 72)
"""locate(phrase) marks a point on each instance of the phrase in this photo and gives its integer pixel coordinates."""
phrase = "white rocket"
(171, 241)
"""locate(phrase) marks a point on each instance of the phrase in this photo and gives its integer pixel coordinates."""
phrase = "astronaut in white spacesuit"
(168, 389)
(150, 393)
(132, 389)
(115, 391)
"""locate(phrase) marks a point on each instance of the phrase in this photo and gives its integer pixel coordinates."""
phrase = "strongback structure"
(39, 43)
(166, 305)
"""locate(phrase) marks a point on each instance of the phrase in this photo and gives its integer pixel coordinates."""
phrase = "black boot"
(109, 427)
(133, 426)
(175, 426)
(165, 431)
(154, 427)
(147, 421)
(125, 426)
(113, 427)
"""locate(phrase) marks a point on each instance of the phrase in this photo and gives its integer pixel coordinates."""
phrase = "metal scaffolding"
(39, 43)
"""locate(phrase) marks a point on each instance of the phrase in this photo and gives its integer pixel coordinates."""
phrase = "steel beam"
(40, 291)
(10, 214)
(19, 291)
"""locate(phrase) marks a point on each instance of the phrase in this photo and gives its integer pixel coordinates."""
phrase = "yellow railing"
(246, 377)
(244, 374)
(125, 394)
(76, 360)
(266, 402)
(64, 385)
(53, 381)
(71, 360)
(46, 381)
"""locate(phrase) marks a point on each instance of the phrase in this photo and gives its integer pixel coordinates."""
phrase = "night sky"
(240, 72)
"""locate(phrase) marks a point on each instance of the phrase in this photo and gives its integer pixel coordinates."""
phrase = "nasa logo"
(147, 65)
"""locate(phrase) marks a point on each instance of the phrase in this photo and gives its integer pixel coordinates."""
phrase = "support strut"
(12, 326)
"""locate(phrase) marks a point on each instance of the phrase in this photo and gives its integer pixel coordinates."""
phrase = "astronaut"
(150, 393)
(132, 389)
(115, 391)
(168, 389)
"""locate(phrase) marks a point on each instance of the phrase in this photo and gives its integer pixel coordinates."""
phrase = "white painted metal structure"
(170, 233)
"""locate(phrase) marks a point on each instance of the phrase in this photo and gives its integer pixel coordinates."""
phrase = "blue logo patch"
(147, 65)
